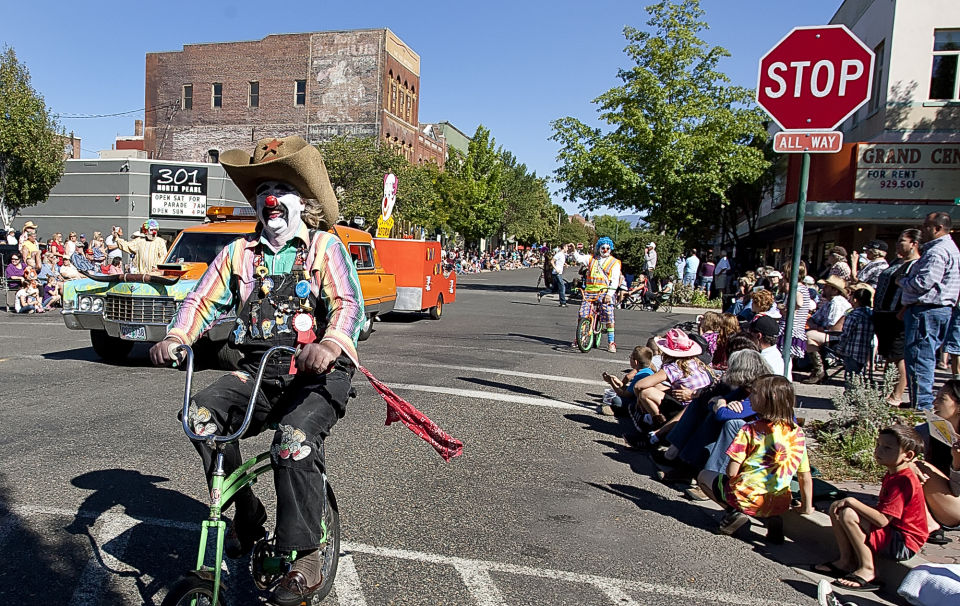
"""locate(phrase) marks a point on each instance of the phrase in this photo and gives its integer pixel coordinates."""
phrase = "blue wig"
(605, 240)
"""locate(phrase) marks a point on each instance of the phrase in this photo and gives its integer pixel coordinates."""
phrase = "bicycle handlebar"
(188, 356)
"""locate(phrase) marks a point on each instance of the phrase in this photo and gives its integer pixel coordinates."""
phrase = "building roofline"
(465, 136)
(331, 31)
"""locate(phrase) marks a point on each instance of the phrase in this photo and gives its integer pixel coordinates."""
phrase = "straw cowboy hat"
(836, 282)
(291, 160)
(677, 344)
(29, 224)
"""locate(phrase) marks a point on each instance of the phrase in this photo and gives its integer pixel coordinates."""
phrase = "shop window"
(216, 98)
(186, 97)
(944, 80)
(253, 95)
(300, 92)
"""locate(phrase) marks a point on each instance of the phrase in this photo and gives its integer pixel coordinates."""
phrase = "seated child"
(764, 457)
(639, 367)
(681, 369)
(895, 529)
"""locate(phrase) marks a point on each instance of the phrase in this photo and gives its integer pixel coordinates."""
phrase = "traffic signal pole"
(795, 266)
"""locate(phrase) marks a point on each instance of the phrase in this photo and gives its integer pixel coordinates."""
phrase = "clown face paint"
(279, 208)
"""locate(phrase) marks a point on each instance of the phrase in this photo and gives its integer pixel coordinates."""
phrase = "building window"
(186, 97)
(301, 93)
(876, 95)
(944, 80)
(217, 99)
(253, 98)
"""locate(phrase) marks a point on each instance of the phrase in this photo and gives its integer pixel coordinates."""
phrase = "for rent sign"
(903, 171)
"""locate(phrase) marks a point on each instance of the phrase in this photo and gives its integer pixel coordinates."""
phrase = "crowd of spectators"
(36, 270)
(711, 407)
(714, 405)
(499, 259)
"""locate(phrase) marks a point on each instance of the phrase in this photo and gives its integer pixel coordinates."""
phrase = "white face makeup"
(282, 218)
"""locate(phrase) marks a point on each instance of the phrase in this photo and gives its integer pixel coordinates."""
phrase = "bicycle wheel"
(193, 590)
(329, 551)
(585, 334)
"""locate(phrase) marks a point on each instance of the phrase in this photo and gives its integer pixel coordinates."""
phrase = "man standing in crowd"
(690, 267)
(557, 264)
(150, 250)
(111, 241)
(721, 274)
(650, 261)
(930, 292)
(876, 251)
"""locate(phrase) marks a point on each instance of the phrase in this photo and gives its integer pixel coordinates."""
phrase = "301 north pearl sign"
(178, 191)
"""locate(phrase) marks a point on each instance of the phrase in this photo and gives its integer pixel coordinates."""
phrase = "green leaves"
(31, 152)
(678, 133)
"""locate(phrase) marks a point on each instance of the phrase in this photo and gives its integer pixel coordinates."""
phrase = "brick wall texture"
(354, 87)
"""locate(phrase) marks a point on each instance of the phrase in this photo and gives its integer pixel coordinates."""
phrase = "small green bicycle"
(203, 586)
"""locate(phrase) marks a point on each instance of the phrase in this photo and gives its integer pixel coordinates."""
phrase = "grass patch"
(845, 443)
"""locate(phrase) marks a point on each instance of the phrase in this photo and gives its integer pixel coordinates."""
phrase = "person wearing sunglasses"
(602, 281)
(14, 272)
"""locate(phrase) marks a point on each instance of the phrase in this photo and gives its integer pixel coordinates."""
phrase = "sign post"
(809, 83)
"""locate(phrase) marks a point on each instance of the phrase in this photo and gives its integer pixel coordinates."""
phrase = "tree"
(31, 150)
(356, 168)
(611, 227)
(633, 246)
(574, 231)
(528, 212)
(472, 190)
(680, 133)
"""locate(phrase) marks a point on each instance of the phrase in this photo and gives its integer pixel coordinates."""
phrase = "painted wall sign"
(178, 191)
(905, 171)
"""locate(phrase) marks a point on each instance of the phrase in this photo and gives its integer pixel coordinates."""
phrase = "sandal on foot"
(861, 583)
(828, 569)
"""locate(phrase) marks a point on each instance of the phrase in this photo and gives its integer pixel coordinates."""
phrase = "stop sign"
(815, 78)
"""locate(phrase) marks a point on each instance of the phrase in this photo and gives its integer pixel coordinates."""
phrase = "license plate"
(133, 332)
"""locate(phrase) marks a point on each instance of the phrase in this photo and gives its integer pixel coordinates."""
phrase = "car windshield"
(199, 247)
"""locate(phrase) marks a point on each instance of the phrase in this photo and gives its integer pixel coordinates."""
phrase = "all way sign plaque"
(798, 142)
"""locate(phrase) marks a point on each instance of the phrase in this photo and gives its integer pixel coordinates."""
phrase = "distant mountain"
(633, 220)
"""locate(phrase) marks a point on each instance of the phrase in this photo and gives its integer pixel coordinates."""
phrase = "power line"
(132, 111)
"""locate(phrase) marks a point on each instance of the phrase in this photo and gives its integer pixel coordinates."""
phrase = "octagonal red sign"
(815, 78)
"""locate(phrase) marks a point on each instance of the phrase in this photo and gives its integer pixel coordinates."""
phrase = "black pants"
(306, 407)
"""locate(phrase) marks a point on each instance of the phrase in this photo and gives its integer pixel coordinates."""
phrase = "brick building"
(208, 98)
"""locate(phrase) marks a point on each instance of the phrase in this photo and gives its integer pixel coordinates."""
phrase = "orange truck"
(417, 265)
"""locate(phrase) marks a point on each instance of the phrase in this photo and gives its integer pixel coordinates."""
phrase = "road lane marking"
(496, 371)
(347, 583)
(486, 395)
(480, 585)
(610, 360)
(95, 575)
(114, 521)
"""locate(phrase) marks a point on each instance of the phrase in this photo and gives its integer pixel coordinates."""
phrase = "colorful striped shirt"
(334, 280)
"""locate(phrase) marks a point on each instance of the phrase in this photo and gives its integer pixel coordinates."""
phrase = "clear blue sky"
(513, 66)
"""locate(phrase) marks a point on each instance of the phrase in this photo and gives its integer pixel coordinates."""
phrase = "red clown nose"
(270, 201)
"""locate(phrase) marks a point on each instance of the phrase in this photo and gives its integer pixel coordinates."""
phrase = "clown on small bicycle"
(602, 281)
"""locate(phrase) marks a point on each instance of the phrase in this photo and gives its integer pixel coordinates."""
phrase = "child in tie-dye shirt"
(764, 457)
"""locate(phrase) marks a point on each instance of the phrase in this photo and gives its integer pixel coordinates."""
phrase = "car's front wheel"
(109, 348)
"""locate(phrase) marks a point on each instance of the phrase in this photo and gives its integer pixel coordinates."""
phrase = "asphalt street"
(101, 493)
